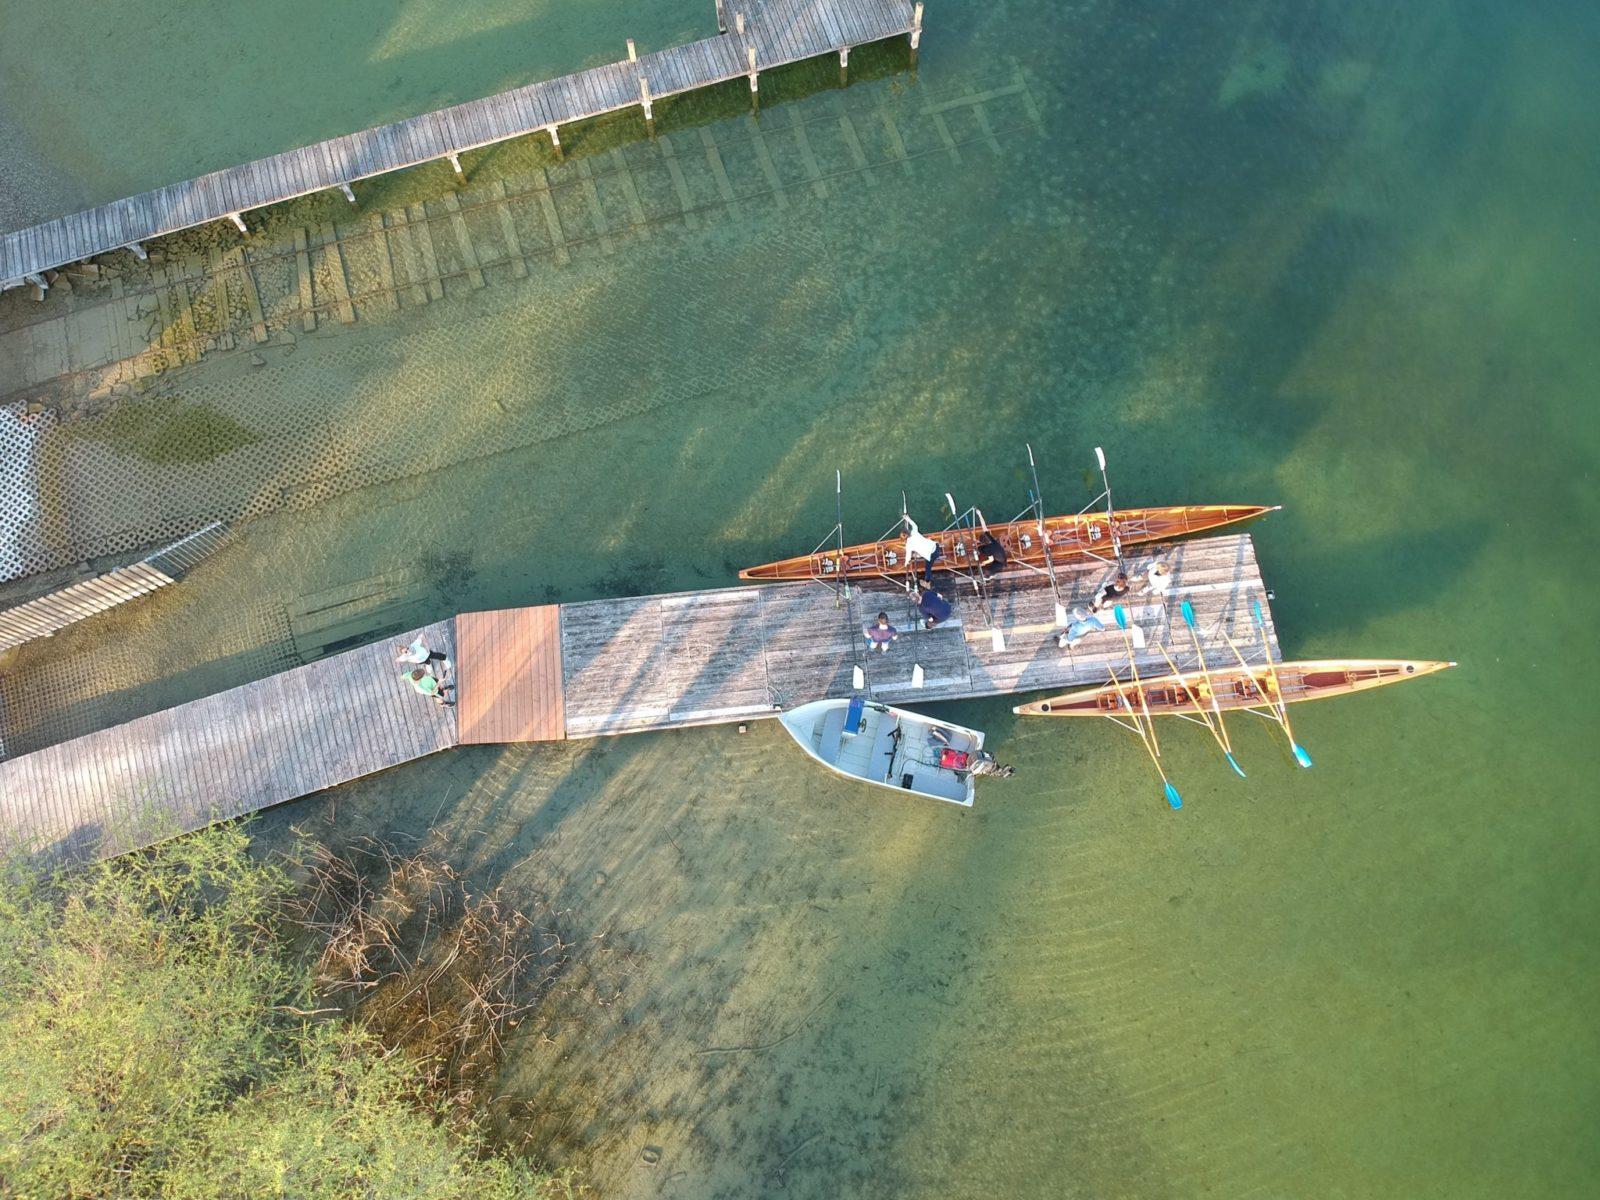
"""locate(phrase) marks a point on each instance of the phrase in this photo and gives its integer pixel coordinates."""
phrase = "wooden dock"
(47, 615)
(757, 35)
(594, 668)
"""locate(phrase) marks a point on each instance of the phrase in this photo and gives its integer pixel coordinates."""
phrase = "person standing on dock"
(880, 633)
(417, 654)
(1158, 580)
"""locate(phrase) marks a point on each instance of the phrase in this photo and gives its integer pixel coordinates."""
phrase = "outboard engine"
(987, 764)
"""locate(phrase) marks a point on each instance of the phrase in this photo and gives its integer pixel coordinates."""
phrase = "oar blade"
(1234, 763)
(997, 641)
(1300, 755)
(1062, 620)
(1188, 614)
(1175, 800)
(1122, 617)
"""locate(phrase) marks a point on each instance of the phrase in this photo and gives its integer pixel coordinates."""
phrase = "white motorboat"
(892, 748)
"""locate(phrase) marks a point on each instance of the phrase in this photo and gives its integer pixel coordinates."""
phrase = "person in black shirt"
(991, 554)
(1111, 595)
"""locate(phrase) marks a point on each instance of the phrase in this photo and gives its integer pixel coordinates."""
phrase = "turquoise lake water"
(1339, 257)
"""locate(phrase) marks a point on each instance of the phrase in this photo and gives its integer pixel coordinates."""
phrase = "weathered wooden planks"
(601, 667)
(47, 614)
(779, 31)
(236, 752)
(663, 662)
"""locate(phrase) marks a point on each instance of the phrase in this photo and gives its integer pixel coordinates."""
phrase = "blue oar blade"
(1122, 617)
(1173, 798)
(1188, 613)
(1300, 755)
(1260, 620)
(1234, 763)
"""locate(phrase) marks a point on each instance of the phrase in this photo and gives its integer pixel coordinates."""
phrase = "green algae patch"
(168, 431)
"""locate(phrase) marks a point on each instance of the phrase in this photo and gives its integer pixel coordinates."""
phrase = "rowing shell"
(1235, 688)
(1071, 536)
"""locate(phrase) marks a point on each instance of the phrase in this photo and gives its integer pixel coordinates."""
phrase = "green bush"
(156, 1045)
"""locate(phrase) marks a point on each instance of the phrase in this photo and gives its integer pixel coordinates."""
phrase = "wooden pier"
(593, 668)
(45, 616)
(756, 36)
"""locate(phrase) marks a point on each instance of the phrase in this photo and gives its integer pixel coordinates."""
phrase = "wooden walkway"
(701, 658)
(588, 669)
(226, 755)
(760, 34)
(47, 615)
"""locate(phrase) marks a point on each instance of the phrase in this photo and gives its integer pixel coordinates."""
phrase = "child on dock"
(880, 633)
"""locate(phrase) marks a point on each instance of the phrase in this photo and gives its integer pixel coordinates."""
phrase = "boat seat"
(832, 735)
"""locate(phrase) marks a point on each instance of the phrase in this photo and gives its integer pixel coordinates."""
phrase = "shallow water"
(1336, 257)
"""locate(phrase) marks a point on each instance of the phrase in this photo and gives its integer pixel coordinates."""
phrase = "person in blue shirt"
(880, 633)
(934, 607)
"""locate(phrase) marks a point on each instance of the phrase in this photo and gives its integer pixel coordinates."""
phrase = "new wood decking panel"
(511, 676)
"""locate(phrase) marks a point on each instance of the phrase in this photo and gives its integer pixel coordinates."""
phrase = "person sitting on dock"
(1158, 579)
(880, 633)
(1083, 624)
(919, 545)
(1111, 595)
(934, 607)
(427, 684)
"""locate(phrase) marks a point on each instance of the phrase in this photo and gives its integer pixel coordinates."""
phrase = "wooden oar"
(1300, 755)
(1133, 669)
(1111, 514)
(1044, 541)
(838, 510)
(1278, 711)
(1175, 800)
(1222, 729)
(1183, 681)
(997, 639)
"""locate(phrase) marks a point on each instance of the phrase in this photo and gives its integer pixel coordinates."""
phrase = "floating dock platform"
(599, 667)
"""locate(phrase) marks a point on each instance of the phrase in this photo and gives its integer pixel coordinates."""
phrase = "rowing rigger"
(1032, 540)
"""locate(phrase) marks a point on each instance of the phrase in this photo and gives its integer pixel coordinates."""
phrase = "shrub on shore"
(162, 1039)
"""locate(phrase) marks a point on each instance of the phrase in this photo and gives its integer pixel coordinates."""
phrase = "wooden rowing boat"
(1231, 688)
(1069, 537)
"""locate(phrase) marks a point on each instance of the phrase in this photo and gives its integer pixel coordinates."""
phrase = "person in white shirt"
(1158, 579)
(417, 654)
